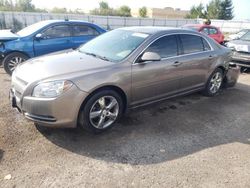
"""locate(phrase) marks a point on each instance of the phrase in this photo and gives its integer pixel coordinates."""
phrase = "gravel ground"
(191, 141)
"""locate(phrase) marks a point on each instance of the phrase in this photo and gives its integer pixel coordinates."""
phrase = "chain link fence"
(19, 20)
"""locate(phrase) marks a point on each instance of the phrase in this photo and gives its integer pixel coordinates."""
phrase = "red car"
(211, 31)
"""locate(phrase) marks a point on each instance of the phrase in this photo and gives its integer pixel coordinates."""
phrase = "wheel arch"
(108, 87)
(16, 51)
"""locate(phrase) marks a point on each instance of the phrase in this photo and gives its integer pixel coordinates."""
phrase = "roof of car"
(154, 29)
(198, 25)
(59, 21)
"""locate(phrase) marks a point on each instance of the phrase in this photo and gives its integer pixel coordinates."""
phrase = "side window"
(213, 31)
(57, 32)
(191, 43)
(83, 30)
(165, 46)
(205, 30)
(205, 45)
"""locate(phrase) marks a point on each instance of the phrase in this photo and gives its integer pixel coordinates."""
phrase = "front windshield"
(114, 45)
(246, 37)
(31, 29)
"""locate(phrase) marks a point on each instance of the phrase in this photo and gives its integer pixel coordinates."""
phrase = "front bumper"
(51, 112)
(241, 58)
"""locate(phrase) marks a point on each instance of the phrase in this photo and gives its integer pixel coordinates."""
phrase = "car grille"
(241, 54)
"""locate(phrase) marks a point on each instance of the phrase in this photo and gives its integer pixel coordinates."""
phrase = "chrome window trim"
(166, 58)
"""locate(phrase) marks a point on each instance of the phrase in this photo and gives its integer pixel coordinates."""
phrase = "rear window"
(83, 30)
(191, 43)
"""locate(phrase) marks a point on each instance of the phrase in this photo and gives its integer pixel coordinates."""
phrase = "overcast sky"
(241, 10)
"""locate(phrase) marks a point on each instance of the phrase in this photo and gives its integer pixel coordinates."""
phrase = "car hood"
(6, 35)
(239, 45)
(59, 65)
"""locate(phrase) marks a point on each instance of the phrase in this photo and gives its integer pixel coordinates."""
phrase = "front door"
(53, 39)
(155, 79)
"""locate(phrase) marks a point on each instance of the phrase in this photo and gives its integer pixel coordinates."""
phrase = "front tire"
(11, 61)
(101, 111)
(214, 83)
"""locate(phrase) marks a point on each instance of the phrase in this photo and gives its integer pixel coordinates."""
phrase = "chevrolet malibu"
(119, 70)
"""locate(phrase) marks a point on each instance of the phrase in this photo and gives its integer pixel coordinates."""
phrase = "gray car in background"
(119, 70)
(241, 50)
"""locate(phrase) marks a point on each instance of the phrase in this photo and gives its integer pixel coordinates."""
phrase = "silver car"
(119, 70)
(241, 50)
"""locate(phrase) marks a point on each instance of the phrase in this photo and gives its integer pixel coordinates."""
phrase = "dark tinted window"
(191, 43)
(57, 32)
(206, 45)
(165, 46)
(82, 30)
(213, 31)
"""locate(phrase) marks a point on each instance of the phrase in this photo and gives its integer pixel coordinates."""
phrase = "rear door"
(197, 57)
(82, 34)
(54, 38)
(156, 79)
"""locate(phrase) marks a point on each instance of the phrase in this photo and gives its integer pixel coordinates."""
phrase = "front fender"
(21, 45)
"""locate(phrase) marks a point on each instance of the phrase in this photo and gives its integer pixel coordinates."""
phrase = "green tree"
(6, 5)
(216, 9)
(103, 9)
(143, 12)
(226, 10)
(104, 5)
(25, 6)
(124, 11)
(213, 9)
(59, 10)
(197, 12)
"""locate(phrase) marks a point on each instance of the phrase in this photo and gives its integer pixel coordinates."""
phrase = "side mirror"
(39, 36)
(150, 56)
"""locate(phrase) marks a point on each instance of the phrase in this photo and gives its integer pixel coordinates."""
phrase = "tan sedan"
(119, 70)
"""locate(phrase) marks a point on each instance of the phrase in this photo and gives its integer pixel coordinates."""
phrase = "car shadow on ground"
(165, 131)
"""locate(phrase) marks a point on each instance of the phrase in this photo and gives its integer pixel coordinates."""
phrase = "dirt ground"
(191, 141)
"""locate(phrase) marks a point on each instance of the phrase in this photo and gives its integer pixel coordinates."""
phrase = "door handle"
(177, 63)
(210, 57)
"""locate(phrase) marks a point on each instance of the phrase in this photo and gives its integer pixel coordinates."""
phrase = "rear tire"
(101, 111)
(12, 60)
(214, 83)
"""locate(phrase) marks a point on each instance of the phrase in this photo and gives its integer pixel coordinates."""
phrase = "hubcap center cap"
(105, 112)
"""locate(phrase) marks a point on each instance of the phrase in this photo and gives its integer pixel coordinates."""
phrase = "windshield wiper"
(97, 56)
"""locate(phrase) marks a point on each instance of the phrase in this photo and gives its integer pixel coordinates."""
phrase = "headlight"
(51, 89)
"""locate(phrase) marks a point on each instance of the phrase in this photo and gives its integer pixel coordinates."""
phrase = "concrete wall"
(18, 20)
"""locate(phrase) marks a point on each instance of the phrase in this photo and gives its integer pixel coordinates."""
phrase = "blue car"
(42, 38)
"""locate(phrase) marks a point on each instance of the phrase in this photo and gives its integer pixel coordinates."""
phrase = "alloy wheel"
(215, 82)
(104, 112)
(14, 62)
